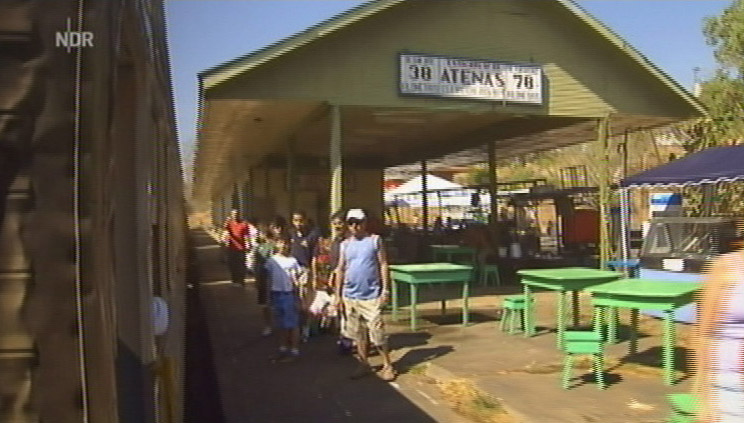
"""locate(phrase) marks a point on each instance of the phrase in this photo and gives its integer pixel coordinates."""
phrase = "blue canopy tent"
(717, 164)
(710, 166)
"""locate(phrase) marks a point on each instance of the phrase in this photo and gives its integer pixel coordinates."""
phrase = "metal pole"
(336, 161)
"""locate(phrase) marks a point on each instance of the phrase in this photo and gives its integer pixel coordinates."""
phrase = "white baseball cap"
(355, 214)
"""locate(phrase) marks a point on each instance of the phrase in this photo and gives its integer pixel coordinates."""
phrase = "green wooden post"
(599, 319)
(414, 300)
(528, 310)
(576, 305)
(604, 192)
(336, 161)
(612, 316)
(561, 318)
(567, 367)
(394, 286)
(513, 322)
(668, 353)
(465, 298)
(633, 330)
(599, 370)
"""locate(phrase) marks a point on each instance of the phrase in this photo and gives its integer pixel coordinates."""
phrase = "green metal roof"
(225, 71)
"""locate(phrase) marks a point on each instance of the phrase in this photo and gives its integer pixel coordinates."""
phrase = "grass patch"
(419, 369)
(471, 403)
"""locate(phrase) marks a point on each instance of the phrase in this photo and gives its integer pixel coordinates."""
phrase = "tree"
(723, 96)
(726, 34)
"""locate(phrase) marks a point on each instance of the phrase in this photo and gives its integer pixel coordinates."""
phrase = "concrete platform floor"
(522, 374)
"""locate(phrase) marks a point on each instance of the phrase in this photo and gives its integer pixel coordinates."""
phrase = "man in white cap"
(364, 287)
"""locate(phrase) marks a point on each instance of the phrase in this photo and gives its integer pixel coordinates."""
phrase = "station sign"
(438, 76)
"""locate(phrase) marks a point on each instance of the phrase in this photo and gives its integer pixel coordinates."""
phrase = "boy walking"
(304, 239)
(283, 270)
(364, 289)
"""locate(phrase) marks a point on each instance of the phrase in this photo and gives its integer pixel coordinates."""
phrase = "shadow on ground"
(316, 388)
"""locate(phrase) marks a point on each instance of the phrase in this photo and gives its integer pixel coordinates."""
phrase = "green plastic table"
(562, 280)
(425, 273)
(644, 294)
(446, 253)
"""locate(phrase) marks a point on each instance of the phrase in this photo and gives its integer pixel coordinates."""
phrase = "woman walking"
(719, 359)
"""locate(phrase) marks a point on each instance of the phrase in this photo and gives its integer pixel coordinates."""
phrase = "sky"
(205, 33)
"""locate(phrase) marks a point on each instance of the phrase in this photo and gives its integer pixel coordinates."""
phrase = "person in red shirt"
(237, 242)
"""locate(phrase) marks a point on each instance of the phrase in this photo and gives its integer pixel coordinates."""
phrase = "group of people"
(303, 278)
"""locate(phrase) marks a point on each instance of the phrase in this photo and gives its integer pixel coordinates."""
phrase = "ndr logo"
(71, 39)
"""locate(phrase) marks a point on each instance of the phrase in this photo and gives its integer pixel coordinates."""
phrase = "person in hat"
(364, 288)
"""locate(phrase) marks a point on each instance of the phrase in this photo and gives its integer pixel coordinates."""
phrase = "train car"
(92, 219)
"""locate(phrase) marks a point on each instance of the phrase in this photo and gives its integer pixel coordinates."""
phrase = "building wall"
(585, 74)
(268, 194)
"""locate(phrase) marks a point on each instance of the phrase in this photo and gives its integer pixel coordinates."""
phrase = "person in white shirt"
(283, 271)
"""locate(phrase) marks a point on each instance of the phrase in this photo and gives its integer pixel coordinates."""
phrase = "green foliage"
(726, 34)
(723, 96)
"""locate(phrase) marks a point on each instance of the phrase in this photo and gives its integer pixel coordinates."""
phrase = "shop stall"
(678, 248)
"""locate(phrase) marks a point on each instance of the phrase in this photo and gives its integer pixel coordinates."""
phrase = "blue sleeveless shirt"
(362, 275)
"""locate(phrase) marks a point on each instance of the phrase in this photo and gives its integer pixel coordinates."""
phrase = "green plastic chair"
(488, 273)
(512, 313)
(684, 407)
(583, 343)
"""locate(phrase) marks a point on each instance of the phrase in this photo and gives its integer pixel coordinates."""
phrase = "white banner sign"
(470, 78)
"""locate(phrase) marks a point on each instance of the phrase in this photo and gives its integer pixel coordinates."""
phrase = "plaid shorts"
(361, 314)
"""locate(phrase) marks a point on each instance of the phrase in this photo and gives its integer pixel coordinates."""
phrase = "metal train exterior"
(92, 215)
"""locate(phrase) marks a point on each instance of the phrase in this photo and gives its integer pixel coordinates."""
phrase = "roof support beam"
(493, 188)
(424, 201)
(502, 130)
(308, 162)
(605, 247)
(292, 174)
(336, 161)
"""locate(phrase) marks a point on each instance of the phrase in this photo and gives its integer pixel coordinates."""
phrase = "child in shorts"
(282, 270)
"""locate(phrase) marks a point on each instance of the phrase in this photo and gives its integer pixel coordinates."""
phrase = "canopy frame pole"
(336, 162)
